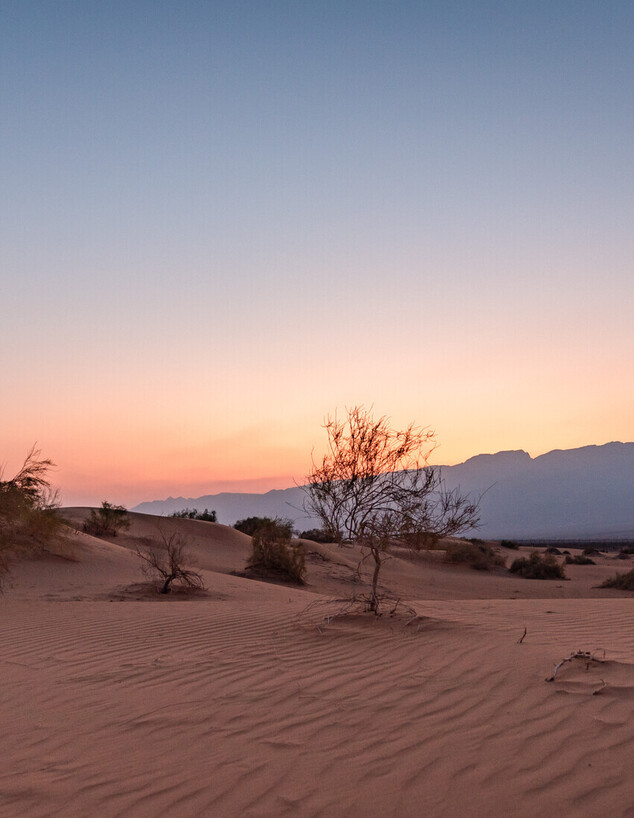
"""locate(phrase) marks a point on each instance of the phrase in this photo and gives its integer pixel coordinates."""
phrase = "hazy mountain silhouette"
(586, 493)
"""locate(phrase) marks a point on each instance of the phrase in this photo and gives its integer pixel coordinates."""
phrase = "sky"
(222, 221)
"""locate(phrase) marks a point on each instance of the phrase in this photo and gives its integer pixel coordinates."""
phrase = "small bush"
(509, 544)
(627, 550)
(317, 535)
(590, 551)
(193, 514)
(624, 582)
(538, 566)
(250, 525)
(552, 550)
(272, 550)
(480, 556)
(166, 564)
(106, 521)
(579, 559)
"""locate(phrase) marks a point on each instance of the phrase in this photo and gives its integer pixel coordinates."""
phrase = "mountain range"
(584, 493)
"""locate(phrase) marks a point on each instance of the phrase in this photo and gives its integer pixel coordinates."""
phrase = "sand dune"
(242, 702)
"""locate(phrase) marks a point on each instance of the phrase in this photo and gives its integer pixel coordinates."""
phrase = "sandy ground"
(243, 702)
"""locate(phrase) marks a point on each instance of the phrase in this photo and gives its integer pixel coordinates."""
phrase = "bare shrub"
(538, 566)
(165, 564)
(623, 581)
(479, 556)
(107, 521)
(373, 487)
(272, 550)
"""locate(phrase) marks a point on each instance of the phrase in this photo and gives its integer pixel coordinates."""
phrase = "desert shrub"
(106, 521)
(166, 564)
(624, 582)
(252, 524)
(551, 549)
(193, 514)
(271, 549)
(317, 535)
(29, 517)
(622, 555)
(627, 550)
(509, 544)
(538, 566)
(590, 551)
(579, 559)
(479, 556)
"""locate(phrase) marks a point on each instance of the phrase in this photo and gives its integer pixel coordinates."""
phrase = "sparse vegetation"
(513, 546)
(29, 516)
(623, 581)
(272, 550)
(478, 555)
(317, 535)
(373, 488)
(578, 559)
(166, 562)
(193, 514)
(250, 525)
(106, 521)
(538, 566)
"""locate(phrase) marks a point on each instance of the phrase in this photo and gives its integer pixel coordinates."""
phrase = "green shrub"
(252, 524)
(579, 559)
(106, 521)
(479, 556)
(272, 550)
(538, 566)
(624, 582)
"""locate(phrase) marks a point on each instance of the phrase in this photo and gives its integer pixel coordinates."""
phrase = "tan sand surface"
(241, 702)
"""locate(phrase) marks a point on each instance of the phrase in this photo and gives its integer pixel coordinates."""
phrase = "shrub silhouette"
(250, 525)
(166, 564)
(193, 514)
(317, 535)
(509, 544)
(271, 549)
(107, 520)
(538, 566)
(579, 559)
(623, 582)
(478, 555)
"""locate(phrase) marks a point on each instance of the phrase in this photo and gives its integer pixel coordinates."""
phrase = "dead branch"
(586, 655)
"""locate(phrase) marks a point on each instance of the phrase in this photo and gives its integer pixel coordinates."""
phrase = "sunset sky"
(221, 221)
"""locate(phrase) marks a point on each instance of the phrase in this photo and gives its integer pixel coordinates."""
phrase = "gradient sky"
(220, 221)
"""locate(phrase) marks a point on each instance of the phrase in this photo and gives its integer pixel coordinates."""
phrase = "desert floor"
(244, 701)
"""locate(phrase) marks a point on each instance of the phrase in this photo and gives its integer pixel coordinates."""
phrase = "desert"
(252, 698)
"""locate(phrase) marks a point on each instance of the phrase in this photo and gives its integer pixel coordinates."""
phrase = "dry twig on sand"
(585, 655)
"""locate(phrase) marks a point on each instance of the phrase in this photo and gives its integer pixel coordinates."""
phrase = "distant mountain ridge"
(585, 493)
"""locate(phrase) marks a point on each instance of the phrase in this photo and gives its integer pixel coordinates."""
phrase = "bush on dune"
(538, 566)
(623, 582)
(272, 550)
(478, 555)
(579, 559)
(250, 525)
(29, 517)
(106, 521)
